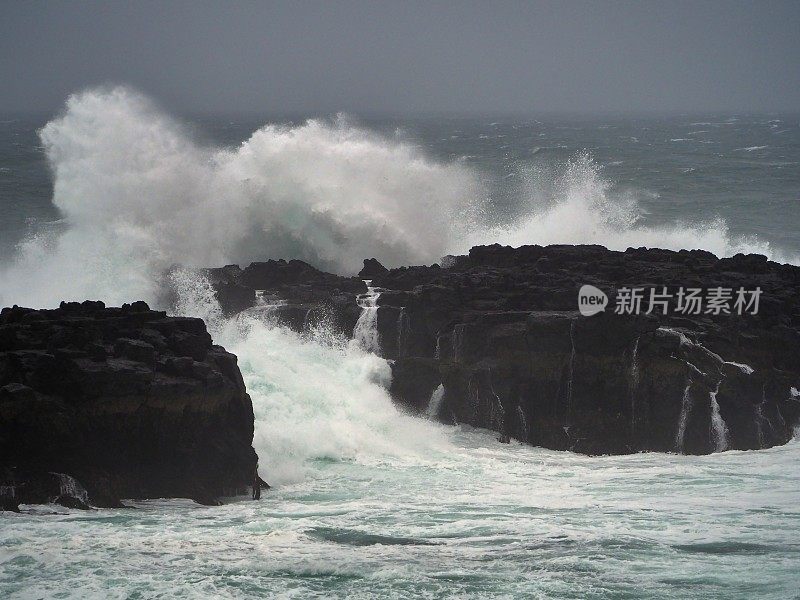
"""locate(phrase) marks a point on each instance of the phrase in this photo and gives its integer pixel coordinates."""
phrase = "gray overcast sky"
(408, 57)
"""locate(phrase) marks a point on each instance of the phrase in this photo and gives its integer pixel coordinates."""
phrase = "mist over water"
(138, 193)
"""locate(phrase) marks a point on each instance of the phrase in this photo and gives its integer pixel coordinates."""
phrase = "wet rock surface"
(500, 330)
(296, 293)
(99, 404)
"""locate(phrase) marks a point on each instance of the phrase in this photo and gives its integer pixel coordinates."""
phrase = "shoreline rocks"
(294, 292)
(514, 355)
(118, 403)
(499, 332)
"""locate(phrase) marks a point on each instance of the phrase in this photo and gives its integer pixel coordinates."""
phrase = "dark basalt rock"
(372, 268)
(307, 295)
(500, 330)
(118, 403)
(72, 502)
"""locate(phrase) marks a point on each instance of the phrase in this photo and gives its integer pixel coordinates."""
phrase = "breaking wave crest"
(138, 194)
(319, 398)
(575, 204)
(316, 396)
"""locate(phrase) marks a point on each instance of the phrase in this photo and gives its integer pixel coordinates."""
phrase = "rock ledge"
(99, 404)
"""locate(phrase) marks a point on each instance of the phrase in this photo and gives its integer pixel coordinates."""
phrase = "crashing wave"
(138, 195)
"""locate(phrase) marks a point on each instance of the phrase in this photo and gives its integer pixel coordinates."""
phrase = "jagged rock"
(235, 298)
(414, 380)
(372, 268)
(306, 294)
(135, 350)
(500, 331)
(126, 402)
(9, 493)
(72, 502)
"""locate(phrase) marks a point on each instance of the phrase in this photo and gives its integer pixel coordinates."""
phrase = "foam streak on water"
(477, 519)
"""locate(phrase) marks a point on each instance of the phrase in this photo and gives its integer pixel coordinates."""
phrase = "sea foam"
(139, 194)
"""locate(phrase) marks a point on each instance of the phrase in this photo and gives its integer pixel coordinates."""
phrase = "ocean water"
(368, 501)
(333, 190)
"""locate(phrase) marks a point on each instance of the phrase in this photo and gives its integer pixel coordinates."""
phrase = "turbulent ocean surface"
(99, 200)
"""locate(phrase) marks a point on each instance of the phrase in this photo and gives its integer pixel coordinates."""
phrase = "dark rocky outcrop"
(99, 404)
(372, 268)
(295, 293)
(499, 330)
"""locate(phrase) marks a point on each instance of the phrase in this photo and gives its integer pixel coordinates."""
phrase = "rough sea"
(367, 501)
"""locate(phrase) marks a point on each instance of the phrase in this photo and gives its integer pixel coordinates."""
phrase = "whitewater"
(367, 500)
(138, 192)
